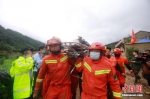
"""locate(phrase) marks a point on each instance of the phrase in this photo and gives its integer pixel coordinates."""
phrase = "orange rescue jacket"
(96, 75)
(55, 70)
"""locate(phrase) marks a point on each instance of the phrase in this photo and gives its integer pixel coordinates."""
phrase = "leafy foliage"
(12, 41)
(6, 85)
(3, 56)
(6, 82)
(2, 60)
(7, 62)
(129, 52)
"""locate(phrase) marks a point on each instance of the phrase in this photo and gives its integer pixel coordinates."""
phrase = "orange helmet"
(53, 40)
(117, 51)
(96, 46)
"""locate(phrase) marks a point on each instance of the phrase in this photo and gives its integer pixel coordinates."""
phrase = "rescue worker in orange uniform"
(122, 62)
(74, 80)
(113, 60)
(97, 72)
(115, 65)
(55, 68)
(73, 73)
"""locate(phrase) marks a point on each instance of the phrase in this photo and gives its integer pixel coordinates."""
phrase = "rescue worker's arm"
(138, 62)
(39, 80)
(134, 61)
(79, 65)
(114, 84)
(127, 64)
(41, 75)
(119, 68)
(129, 67)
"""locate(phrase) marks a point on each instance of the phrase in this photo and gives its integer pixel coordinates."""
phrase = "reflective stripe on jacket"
(55, 69)
(96, 75)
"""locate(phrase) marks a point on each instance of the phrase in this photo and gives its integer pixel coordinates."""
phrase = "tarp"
(143, 40)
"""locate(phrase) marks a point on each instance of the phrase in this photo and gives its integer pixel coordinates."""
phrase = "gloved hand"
(36, 94)
(76, 54)
(124, 75)
(132, 73)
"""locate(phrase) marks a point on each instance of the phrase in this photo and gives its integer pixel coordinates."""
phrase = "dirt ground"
(130, 81)
(143, 82)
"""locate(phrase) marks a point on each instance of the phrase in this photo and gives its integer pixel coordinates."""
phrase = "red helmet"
(96, 46)
(117, 51)
(53, 40)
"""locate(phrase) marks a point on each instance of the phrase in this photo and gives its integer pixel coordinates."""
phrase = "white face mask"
(95, 55)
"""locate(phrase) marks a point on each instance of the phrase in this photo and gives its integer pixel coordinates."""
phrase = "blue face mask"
(95, 55)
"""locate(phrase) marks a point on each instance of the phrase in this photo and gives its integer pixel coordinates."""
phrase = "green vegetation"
(129, 52)
(12, 41)
(6, 61)
(5, 80)
(7, 64)
(6, 84)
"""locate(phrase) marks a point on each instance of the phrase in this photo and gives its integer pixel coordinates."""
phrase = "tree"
(129, 52)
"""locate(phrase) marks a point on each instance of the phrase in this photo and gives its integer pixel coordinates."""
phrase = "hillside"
(12, 41)
(112, 45)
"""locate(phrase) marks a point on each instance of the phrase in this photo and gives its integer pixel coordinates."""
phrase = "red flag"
(133, 39)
